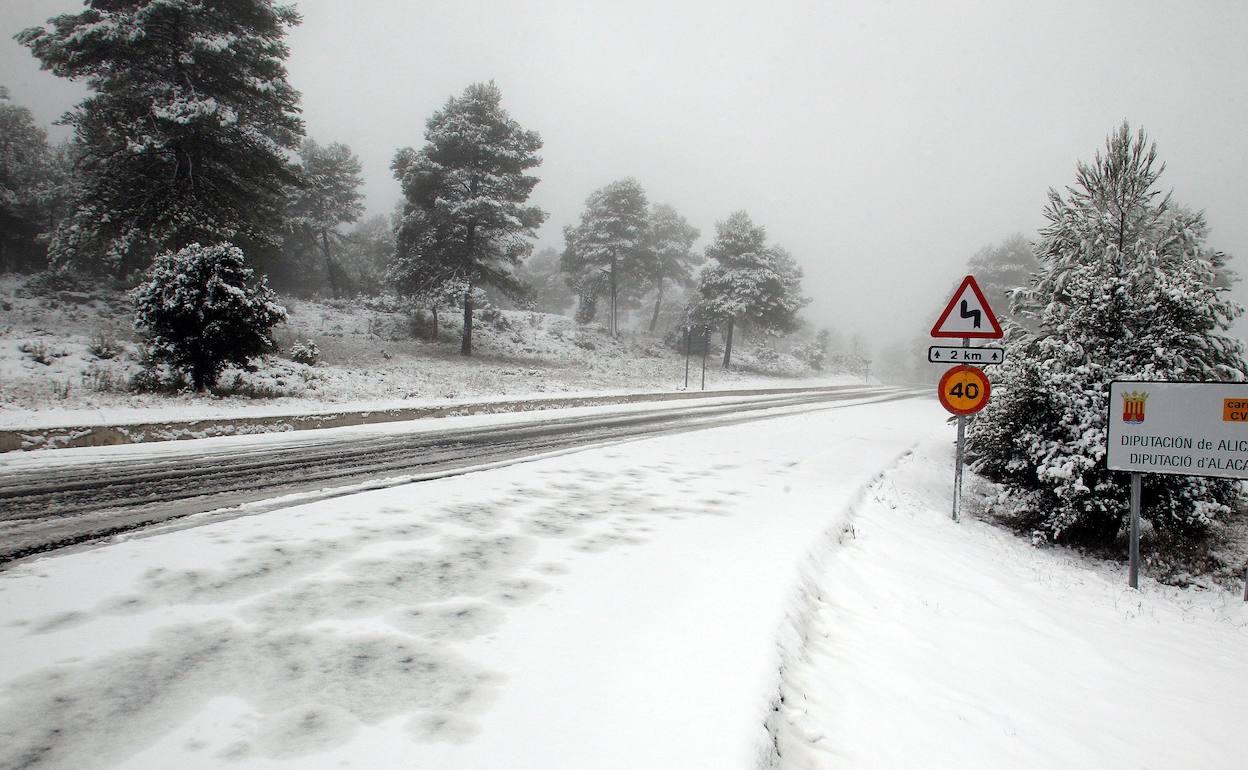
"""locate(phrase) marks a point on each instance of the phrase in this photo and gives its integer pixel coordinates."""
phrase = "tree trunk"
(199, 379)
(465, 345)
(658, 301)
(329, 264)
(434, 312)
(126, 263)
(615, 329)
(728, 345)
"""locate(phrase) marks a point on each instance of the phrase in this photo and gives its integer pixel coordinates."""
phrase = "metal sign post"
(688, 342)
(1133, 572)
(957, 467)
(706, 343)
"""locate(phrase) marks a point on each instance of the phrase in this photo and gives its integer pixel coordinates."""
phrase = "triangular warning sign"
(968, 315)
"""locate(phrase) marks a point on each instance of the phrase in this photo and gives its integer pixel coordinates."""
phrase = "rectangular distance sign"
(1189, 428)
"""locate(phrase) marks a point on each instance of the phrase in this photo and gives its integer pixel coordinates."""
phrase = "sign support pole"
(1133, 576)
(706, 343)
(957, 465)
(688, 344)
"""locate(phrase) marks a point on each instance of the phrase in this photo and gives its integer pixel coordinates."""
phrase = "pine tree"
(202, 309)
(366, 251)
(1001, 268)
(33, 180)
(327, 195)
(608, 250)
(185, 133)
(548, 291)
(671, 255)
(465, 217)
(749, 282)
(1127, 290)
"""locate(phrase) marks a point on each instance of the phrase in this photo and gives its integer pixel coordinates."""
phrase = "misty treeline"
(192, 135)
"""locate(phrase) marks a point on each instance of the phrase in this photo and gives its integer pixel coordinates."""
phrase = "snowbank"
(920, 642)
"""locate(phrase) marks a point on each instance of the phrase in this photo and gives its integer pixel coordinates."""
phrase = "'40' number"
(965, 390)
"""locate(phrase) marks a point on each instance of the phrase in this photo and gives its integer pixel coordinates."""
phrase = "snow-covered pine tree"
(185, 133)
(672, 258)
(1001, 268)
(548, 291)
(609, 248)
(366, 250)
(328, 195)
(1127, 290)
(30, 178)
(748, 281)
(464, 215)
(201, 309)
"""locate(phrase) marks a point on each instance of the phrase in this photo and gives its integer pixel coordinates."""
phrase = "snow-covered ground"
(923, 643)
(644, 605)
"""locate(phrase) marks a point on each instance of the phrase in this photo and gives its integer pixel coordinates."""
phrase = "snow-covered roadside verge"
(918, 642)
(135, 427)
(617, 608)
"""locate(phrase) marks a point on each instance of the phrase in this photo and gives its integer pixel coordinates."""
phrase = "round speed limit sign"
(964, 390)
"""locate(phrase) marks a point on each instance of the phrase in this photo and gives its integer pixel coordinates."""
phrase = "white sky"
(881, 142)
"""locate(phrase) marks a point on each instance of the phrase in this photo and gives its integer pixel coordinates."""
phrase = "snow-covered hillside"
(68, 357)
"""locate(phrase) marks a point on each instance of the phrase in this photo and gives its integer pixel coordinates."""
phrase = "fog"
(882, 143)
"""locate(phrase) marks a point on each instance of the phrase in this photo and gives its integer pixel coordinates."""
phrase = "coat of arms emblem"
(1133, 407)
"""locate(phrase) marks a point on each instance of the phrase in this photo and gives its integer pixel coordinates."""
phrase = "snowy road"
(613, 608)
(71, 496)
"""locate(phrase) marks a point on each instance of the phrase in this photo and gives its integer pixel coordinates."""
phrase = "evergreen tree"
(327, 195)
(671, 255)
(33, 180)
(548, 291)
(185, 133)
(1001, 268)
(464, 216)
(609, 249)
(749, 282)
(202, 309)
(366, 251)
(1127, 290)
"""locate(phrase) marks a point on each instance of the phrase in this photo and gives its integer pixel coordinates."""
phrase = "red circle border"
(944, 378)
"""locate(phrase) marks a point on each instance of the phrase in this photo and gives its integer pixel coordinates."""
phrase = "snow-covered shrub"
(51, 281)
(104, 346)
(39, 352)
(101, 379)
(305, 353)
(202, 309)
(813, 354)
(495, 317)
(765, 356)
(1127, 290)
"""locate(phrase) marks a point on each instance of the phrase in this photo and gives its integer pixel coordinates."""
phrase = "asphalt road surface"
(43, 509)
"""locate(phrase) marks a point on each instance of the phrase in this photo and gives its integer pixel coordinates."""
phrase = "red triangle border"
(995, 333)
